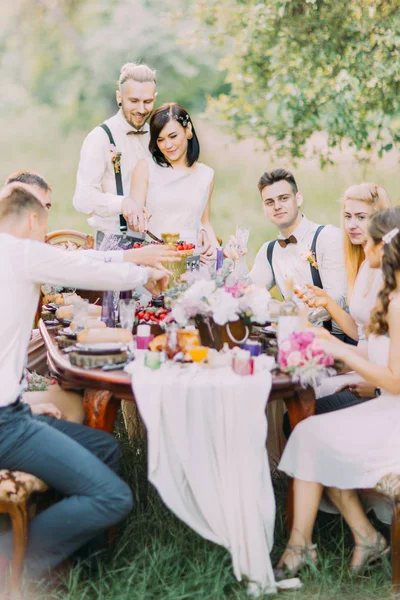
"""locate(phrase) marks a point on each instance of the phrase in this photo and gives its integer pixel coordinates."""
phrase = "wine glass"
(127, 308)
(80, 313)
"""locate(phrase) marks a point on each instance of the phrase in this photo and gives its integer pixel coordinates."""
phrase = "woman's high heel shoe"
(371, 553)
(304, 557)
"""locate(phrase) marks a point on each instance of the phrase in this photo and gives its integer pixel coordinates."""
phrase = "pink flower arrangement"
(302, 356)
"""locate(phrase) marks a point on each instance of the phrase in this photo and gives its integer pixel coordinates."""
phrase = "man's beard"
(129, 119)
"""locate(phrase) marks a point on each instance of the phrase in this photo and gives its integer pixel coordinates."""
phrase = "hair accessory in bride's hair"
(387, 238)
(184, 120)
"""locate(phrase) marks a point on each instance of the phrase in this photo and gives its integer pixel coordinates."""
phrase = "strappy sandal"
(372, 553)
(303, 553)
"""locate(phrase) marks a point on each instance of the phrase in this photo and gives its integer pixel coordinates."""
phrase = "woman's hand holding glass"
(312, 295)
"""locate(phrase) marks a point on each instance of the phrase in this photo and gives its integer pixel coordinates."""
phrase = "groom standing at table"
(109, 155)
(300, 244)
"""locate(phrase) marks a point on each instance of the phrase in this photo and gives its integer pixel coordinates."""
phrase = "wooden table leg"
(300, 406)
(101, 409)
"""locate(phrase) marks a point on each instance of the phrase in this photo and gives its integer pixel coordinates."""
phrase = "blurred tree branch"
(297, 67)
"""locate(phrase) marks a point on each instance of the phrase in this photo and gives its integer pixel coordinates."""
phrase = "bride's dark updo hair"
(382, 223)
(164, 114)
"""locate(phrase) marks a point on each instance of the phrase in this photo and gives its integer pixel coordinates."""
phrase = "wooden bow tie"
(136, 132)
(290, 240)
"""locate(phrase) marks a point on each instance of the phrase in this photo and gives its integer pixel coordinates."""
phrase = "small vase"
(107, 308)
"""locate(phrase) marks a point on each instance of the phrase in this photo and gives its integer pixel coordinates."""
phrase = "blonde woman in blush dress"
(354, 448)
(359, 203)
(171, 189)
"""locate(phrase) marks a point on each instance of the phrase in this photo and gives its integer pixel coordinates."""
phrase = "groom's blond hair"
(141, 73)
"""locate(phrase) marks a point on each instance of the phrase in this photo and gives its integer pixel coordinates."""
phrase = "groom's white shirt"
(95, 192)
(287, 262)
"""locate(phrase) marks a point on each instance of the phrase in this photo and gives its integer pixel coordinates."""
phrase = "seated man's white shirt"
(287, 262)
(113, 256)
(24, 265)
(96, 192)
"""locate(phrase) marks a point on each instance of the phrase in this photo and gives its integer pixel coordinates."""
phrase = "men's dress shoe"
(290, 240)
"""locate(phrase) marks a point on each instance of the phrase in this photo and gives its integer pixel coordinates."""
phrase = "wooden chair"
(70, 239)
(388, 488)
(16, 488)
(74, 240)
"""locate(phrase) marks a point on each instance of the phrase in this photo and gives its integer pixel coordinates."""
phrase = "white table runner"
(206, 433)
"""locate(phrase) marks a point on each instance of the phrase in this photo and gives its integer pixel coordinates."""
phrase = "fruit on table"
(151, 315)
(181, 245)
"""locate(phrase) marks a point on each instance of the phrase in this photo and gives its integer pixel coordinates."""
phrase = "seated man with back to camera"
(79, 462)
(56, 401)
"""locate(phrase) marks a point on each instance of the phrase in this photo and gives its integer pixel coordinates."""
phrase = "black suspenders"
(316, 277)
(118, 181)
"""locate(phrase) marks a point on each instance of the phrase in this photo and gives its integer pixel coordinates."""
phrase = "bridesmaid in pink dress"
(353, 448)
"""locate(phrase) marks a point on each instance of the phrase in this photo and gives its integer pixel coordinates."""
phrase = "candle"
(243, 363)
(253, 346)
(152, 360)
(143, 337)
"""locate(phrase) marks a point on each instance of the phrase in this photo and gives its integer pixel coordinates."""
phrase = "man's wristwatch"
(377, 392)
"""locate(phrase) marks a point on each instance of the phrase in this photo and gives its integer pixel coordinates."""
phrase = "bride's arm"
(205, 221)
(388, 377)
(138, 194)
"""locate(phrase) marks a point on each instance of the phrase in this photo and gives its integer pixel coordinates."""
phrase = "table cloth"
(207, 458)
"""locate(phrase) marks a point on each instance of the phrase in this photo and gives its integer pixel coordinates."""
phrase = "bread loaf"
(91, 324)
(66, 312)
(109, 334)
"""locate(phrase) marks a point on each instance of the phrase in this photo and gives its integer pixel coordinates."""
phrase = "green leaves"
(297, 67)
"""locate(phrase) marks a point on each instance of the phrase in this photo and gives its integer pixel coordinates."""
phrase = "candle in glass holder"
(253, 346)
(152, 360)
(243, 363)
(143, 337)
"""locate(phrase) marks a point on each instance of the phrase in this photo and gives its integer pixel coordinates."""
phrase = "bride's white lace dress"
(351, 448)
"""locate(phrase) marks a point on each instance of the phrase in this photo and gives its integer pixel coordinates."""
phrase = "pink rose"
(328, 360)
(294, 359)
(285, 346)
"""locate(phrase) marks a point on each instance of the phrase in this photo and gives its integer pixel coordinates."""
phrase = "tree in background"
(297, 67)
(66, 55)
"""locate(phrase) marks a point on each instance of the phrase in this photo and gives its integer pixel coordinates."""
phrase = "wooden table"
(104, 390)
(300, 402)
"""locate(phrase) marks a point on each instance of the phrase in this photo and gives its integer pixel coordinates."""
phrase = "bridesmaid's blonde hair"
(377, 197)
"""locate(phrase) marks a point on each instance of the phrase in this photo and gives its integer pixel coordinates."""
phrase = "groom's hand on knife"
(135, 214)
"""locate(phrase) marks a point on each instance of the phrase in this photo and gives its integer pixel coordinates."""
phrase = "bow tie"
(137, 132)
(290, 240)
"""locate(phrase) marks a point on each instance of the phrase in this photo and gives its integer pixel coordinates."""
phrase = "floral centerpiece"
(302, 356)
(217, 298)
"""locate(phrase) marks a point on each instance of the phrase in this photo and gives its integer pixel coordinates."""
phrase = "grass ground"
(158, 558)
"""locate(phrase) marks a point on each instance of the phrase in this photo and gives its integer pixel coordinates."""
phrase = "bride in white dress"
(353, 448)
(171, 189)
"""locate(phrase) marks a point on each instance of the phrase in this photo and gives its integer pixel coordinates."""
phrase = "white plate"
(101, 347)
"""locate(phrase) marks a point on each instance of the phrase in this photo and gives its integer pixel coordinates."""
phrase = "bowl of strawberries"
(153, 316)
